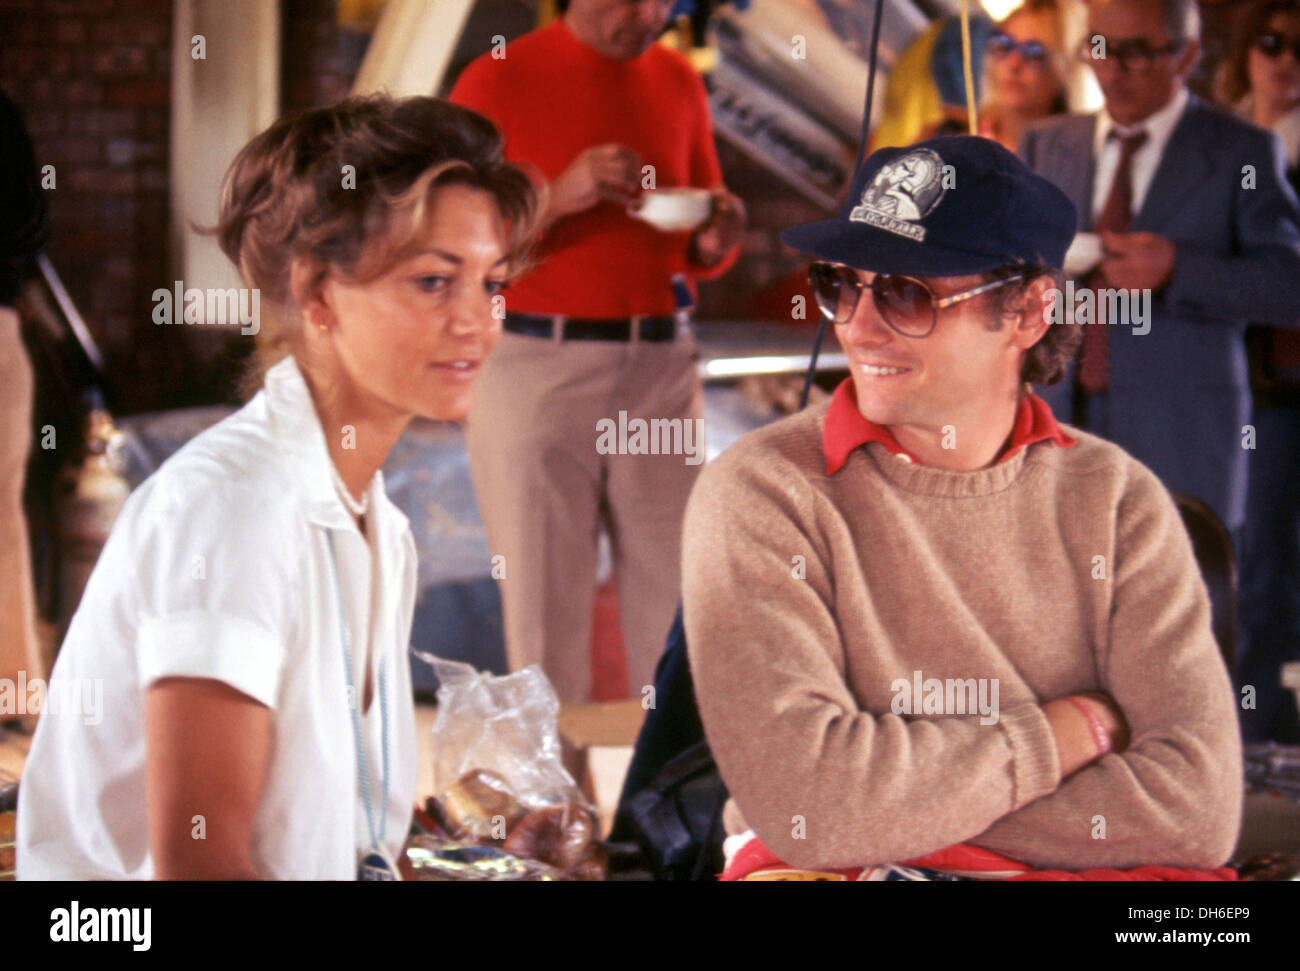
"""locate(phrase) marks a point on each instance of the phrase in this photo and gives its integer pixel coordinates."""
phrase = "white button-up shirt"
(219, 567)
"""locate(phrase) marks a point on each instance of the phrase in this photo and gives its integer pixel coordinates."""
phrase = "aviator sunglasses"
(906, 304)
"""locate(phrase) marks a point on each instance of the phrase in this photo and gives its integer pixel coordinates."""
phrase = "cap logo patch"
(903, 192)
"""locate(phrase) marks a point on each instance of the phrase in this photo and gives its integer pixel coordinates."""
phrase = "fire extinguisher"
(90, 493)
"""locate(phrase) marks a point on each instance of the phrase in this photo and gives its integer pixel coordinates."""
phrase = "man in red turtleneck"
(592, 333)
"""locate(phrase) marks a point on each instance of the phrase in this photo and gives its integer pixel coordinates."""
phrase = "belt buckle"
(634, 328)
(557, 328)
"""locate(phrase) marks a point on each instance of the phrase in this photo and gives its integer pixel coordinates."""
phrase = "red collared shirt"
(846, 429)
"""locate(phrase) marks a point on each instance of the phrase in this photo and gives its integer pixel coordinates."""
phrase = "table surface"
(731, 348)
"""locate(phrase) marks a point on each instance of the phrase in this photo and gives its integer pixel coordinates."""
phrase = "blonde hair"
(347, 187)
(1058, 60)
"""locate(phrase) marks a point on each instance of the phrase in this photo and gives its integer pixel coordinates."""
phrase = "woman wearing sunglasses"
(248, 620)
(1024, 72)
(1261, 80)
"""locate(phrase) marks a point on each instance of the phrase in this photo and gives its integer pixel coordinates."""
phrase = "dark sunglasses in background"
(1272, 45)
(1001, 45)
(906, 304)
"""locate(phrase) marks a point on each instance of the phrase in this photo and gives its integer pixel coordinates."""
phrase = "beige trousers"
(544, 488)
(19, 647)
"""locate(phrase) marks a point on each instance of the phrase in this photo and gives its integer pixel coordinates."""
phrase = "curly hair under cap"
(289, 195)
(1046, 361)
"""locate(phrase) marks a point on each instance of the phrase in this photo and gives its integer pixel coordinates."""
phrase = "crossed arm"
(1174, 796)
(793, 743)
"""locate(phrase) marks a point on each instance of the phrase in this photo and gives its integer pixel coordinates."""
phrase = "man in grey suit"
(1191, 205)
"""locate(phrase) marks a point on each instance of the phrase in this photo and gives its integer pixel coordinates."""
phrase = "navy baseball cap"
(950, 206)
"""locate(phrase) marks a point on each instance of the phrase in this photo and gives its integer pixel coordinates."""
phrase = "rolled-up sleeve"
(216, 588)
(205, 644)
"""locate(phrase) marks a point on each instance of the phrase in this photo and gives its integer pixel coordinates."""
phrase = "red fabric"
(755, 856)
(608, 655)
(962, 858)
(845, 428)
(776, 300)
(1145, 873)
(972, 861)
(1286, 348)
(554, 96)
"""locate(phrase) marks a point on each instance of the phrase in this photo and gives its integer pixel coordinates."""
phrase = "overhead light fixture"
(998, 9)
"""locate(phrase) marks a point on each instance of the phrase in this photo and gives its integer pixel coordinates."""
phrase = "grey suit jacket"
(1179, 394)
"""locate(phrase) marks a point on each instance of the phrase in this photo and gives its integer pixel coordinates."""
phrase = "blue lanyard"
(363, 769)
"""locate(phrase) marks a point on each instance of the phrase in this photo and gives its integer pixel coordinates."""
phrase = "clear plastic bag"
(507, 724)
(498, 774)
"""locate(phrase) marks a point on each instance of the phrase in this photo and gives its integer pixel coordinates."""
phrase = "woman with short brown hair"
(256, 595)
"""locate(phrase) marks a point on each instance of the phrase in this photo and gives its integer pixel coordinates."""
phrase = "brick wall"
(93, 79)
(319, 59)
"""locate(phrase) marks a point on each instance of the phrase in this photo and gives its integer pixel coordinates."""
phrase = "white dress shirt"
(219, 567)
(1287, 127)
(1105, 150)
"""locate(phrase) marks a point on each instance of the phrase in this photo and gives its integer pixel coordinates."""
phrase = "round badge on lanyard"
(375, 866)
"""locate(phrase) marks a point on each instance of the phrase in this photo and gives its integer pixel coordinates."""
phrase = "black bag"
(677, 819)
(672, 799)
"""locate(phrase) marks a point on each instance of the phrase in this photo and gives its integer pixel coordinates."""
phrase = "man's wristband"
(1101, 737)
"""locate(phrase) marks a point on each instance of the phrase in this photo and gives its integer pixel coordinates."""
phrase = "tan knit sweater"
(807, 597)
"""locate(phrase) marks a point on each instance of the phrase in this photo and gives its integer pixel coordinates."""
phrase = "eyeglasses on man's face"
(1130, 54)
(906, 304)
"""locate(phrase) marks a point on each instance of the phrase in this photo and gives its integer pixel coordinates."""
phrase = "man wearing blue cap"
(931, 543)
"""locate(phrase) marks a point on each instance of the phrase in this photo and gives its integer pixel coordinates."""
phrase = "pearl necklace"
(354, 507)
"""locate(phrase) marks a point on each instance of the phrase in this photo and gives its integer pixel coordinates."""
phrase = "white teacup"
(1085, 252)
(673, 210)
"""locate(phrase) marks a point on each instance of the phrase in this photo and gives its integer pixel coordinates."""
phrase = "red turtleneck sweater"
(553, 96)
